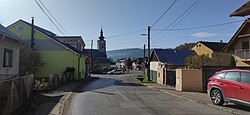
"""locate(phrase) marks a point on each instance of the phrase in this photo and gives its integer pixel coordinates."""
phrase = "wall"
(188, 80)
(200, 49)
(223, 58)
(154, 65)
(15, 46)
(160, 75)
(26, 33)
(57, 61)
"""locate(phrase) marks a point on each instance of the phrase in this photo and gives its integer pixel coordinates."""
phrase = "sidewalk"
(198, 97)
(52, 103)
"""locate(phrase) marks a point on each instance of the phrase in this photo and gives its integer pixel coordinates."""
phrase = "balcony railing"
(243, 54)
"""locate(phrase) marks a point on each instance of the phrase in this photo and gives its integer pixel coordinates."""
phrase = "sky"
(123, 21)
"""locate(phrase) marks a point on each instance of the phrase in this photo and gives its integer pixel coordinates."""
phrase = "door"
(243, 91)
(229, 85)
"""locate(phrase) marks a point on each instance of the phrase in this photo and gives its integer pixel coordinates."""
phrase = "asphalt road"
(120, 95)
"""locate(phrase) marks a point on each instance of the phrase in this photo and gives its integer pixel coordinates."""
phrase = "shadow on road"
(100, 83)
(38, 101)
(107, 93)
(121, 83)
(240, 107)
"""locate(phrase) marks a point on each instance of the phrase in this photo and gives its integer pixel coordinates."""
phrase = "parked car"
(230, 86)
(115, 71)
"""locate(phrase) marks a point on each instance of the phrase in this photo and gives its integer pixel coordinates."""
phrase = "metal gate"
(170, 77)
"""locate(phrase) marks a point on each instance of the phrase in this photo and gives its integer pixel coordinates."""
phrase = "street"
(120, 94)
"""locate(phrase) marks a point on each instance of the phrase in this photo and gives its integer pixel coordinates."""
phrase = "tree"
(196, 62)
(185, 46)
(129, 63)
(95, 65)
(231, 62)
(30, 61)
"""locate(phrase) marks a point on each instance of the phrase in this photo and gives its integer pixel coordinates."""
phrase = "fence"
(14, 93)
(243, 53)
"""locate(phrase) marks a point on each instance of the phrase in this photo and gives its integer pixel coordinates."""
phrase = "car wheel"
(216, 97)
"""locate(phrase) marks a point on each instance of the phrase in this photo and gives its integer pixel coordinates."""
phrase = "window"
(245, 45)
(21, 29)
(221, 75)
(232, 76)
(245, 77)
(7, 59)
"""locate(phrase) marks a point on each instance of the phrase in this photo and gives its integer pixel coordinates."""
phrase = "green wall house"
(56, 54)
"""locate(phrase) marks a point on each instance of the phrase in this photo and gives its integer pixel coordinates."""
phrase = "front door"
(243, 91)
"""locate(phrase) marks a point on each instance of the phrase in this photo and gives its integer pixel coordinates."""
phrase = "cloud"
(203, 34)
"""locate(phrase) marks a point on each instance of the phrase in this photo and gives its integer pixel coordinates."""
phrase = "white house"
(121, 63)
(10, 46)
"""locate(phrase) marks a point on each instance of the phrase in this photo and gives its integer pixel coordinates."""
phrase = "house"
(163, 63)
(244, 10)
(10, 46)
(58, 55)
(99, 55)
(138, 64)
(121, 63)
(239, 45)
(214, 51)
(74, 41)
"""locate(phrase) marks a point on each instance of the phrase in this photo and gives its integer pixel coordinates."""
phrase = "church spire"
(101, 35)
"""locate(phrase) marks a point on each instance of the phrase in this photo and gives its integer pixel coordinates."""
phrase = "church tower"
(101, 43)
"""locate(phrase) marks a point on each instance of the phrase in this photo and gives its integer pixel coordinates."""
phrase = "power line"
(49, 17)
(125, 34)
(189, 36)
(164, 12)
(177, 18)
(186, 15)
(192, 28)
(53, 16)
(200, 27)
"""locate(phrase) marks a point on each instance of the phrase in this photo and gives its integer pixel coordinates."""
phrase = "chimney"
(32, 34)
(175, 52)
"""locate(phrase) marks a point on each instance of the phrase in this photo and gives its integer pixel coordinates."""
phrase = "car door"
(229, 85)
(243, 91)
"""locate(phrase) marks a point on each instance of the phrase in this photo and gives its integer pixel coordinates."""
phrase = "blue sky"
(85, 18)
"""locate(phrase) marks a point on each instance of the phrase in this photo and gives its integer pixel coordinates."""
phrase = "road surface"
(120, 95)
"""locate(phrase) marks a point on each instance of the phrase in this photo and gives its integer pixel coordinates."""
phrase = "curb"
(220, 108)
(59, 107)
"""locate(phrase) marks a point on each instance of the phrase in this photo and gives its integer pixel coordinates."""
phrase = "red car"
(230, 86)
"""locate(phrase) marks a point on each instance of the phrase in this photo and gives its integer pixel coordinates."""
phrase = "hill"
(125, 53)
(138, 53)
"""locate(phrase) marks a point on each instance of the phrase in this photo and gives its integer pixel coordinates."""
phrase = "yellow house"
(239, 45)
(213, 50)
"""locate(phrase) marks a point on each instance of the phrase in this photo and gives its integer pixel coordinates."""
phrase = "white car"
(115, 71)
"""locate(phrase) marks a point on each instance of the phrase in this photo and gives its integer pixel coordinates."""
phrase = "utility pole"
(144, 56)
(32, 33)
(148, 67)
(144, 52)
(91, 54)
